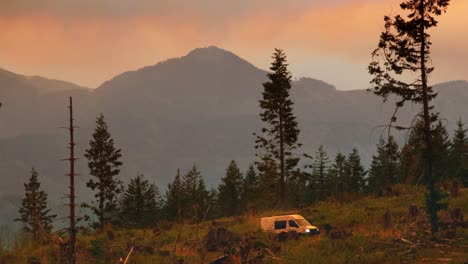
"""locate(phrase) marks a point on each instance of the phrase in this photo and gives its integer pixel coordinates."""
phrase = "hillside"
(200, 108)
(351, 232)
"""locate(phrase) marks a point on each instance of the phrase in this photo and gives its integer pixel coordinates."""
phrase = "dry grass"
(369, 243)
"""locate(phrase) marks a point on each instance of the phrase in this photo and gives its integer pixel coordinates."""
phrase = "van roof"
(295, 216)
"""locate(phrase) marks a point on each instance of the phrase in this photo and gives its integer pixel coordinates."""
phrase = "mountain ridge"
(198, 109)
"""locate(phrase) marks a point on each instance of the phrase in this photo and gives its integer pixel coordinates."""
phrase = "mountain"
(201, 108)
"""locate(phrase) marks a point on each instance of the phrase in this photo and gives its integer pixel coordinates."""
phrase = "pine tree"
(412, 154)
(267, 184)
(337, 174)
(411, 162)
(301, 192)
(34, 214)
(196, 197)
(213, 211)
(404, 47)
(441, 148)
(459, 154)
(250, 188)
(320, 173)
(280, 137)
(141, 203)
(354, 173)
(385, 165)
(104, 163)
(376, 171)
(229, 191)
(173, 199)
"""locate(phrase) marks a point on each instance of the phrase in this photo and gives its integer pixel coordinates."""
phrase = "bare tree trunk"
(72, 228)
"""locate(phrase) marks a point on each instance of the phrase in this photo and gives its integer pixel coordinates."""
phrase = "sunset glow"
(89, 43)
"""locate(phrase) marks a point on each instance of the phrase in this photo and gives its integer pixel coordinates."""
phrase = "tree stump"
(455, 189)
(218, 238)
(413, 212)
(387, 220)
(456, 216)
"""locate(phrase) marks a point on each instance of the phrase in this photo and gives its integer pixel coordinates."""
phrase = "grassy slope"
(369, 242)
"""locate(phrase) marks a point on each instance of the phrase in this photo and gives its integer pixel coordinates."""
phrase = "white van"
(286, 223)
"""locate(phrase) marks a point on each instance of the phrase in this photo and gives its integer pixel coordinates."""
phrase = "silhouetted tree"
(459, 154)
(412, 154)
(320, 173)
(196, 197)
(267, 184)
(214, 210)
(141, 203)
(173, 199)
(229, 191)
(34, 213)
(250, 188)
(385, 165)
(103, 163)
(441, 148)
(280, 137)
(411, 161)
(404, 47)
(337, 173)
(300, 189)
(354, 173)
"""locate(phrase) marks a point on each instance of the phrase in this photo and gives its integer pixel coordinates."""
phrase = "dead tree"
(71, 195)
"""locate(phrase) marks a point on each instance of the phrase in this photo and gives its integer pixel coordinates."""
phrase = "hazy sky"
(90, 41)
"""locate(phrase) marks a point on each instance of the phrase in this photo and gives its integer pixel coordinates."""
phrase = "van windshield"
(302, 222)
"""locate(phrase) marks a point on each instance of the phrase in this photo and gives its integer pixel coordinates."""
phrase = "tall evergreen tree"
(229, 191)
(280, 136)
(354, 173)
(196, 196)
(173, 199)
(385, 165)
(34, 213)
(141, 203)
(404, 47)
(250, 188)
(459, 154)
(337, 173)
(321, 173)
(103, 163)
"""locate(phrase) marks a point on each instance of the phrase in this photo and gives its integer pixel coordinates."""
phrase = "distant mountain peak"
(214, 54)
(210, 50)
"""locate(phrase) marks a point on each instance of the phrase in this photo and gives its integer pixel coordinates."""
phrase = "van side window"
(293, 223)
(280, 224)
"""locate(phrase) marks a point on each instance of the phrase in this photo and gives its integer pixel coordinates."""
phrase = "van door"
(292, 224)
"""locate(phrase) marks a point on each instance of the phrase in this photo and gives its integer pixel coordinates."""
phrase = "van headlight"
(314, 231)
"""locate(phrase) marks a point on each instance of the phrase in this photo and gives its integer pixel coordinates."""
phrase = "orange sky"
(88, 42)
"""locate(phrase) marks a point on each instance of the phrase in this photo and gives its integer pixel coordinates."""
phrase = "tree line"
(141, 204)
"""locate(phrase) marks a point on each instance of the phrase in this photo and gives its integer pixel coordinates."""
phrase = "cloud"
(131, 8)
(90, 41)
